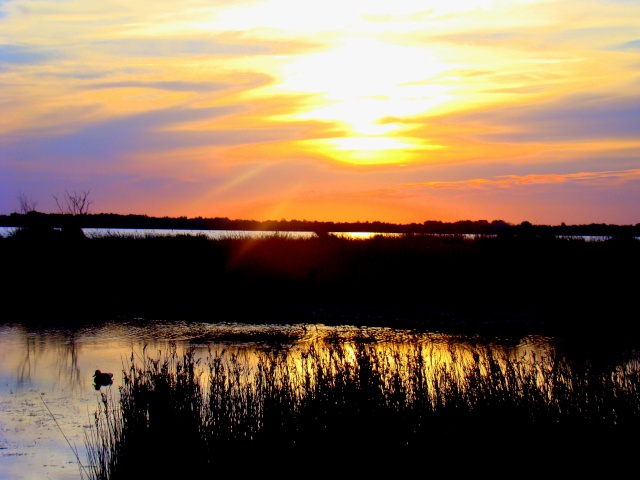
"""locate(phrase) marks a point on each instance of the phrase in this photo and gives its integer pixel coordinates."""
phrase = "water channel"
(48, 398)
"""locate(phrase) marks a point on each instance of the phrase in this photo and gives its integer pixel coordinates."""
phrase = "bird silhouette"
(102, 379)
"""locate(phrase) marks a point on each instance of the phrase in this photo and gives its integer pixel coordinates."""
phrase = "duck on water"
(102, 379)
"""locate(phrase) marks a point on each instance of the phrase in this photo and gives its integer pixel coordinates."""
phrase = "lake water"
(47, 395)
(213, 234)
(220, 234)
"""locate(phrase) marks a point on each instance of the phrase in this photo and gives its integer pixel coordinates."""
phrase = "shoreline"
(517, 285)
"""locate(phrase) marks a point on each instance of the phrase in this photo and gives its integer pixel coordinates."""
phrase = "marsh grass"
(558, 285)
(355, 403)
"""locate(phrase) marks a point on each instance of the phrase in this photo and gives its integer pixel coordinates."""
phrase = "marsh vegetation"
(549, 284)
(355, 403)
(180, 415)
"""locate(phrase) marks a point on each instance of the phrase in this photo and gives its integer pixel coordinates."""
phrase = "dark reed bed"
(342, 408)
(554, 285)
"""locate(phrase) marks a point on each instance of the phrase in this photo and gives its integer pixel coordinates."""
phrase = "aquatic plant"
(176, 416)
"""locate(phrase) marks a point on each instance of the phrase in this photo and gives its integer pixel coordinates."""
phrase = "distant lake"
(213, 234)
(220, 234)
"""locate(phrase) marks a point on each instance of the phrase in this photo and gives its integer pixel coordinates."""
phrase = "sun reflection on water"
(58, 364)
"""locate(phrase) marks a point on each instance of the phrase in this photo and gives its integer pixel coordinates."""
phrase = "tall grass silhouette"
(179, 414)
(562, 285)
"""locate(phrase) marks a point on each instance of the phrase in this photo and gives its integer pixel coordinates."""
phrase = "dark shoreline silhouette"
(520, 284)
(462, 227)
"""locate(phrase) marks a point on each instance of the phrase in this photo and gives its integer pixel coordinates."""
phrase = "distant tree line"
(462, 227)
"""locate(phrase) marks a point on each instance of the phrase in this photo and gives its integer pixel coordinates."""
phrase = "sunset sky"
(352, 110)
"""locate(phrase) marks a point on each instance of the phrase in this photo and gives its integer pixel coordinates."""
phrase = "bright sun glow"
(372, 150)
(364, 85)
(358, 79)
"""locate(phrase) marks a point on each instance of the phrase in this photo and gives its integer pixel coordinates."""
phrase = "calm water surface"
(47, 391)
(220, 234)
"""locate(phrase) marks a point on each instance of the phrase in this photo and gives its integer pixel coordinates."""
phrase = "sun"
(362, 86)
(357, 72)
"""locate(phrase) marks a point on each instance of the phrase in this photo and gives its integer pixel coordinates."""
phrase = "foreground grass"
(352, 405)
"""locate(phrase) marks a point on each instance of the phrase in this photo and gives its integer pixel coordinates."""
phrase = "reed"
(179, 415)
(560, 285)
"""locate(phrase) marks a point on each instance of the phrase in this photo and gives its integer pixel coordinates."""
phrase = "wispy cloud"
(617, 177)
(567, 119)
(25, 55)
(174, 86)
(630, 45)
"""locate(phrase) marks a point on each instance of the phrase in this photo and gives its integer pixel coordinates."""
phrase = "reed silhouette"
(447, 283)
(364, 410)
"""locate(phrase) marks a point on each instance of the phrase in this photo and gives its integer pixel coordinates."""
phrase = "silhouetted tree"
(73, 206)
(27, 204)
(34, 225)
(74, 203)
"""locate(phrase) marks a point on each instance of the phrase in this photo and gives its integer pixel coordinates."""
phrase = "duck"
(102, 379)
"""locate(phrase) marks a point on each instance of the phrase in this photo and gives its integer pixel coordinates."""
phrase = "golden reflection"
(295, 353)
(53, 355)
(334, 353)
(363, 235)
